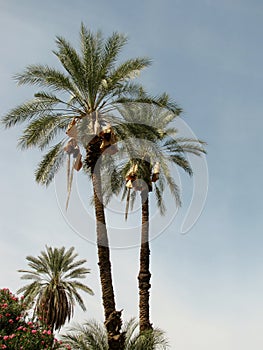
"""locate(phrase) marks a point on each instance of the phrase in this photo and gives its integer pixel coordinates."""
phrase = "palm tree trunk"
(144, 273)
(113, 321)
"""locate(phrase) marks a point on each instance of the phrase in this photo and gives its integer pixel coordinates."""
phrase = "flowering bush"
(17, 331)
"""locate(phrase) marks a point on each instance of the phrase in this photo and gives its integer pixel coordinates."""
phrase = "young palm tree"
(149, 169)
(93, 336)
(79, 101)
(55, 274)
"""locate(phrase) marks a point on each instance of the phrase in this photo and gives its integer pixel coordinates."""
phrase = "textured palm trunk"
(144, 273)
(113, 321)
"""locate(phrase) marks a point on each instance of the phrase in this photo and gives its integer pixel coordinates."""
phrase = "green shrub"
(17, 330)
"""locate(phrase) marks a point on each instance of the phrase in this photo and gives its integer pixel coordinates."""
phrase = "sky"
(207, 282)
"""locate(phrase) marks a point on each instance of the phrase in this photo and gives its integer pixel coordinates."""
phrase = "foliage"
(17, 330)
(156, 140)
(55, 274)
(93, 336)
(92, 80)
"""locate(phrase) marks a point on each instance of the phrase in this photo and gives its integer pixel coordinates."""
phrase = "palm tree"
(92, 336)
(149, 169)
(54, 290)
(79, 100)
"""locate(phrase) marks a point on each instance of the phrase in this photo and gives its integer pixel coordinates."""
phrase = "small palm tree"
(93, 336)
(54, 290)
(149, 170)
(79, 101)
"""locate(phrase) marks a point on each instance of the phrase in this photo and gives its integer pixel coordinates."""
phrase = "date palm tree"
(149, 169)
(79, 100)
(56, 278)
(93, 336)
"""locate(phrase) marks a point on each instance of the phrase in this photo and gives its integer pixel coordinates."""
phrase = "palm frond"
(37, 264)
(72, 265)
(30, 290)
(79, 272)
(44, 96)
(27, 111)
(182, 162)
(72, 63)
(185, 145)
(77, 296)
(112, 47)
(127, 69)
(174, 189)
(92, 47)
(29, 276)
(159, 199)
(44, 76)
(162, 101)
(50, 164)
(81, 286)
(42, 131)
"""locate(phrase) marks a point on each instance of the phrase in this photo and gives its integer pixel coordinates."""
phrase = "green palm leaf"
(50, 164)
(42, 131)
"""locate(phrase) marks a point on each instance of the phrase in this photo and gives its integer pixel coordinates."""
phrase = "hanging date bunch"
(101, 140)
(149, 175)
(108, 141)
(74, 156)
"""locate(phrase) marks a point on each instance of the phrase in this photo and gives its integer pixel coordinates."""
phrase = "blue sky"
(207, 284)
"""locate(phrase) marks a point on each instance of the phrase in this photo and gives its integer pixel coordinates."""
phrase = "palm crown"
(91, 82)
(146, 157)
(54, 290)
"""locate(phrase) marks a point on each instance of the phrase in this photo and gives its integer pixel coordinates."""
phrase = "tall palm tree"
(93, 336)
(149, 169)
(79, 100)
(55, 274)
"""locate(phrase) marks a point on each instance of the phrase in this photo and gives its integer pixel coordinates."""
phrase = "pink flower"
(44, 331)
(10, 321)
(49, 332)
(19, 328)
(33, 331)
(30, 323)
(3, 347)
(6, 337)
